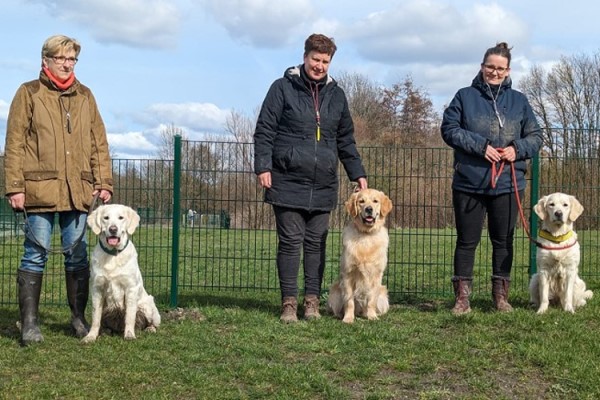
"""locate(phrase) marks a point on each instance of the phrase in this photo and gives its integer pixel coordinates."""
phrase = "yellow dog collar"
(556, 239)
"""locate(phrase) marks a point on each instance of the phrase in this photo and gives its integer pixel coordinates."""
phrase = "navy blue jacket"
(470, 123)
(303, 168)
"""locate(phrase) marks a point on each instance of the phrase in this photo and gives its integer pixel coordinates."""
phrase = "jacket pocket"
(41, 188)
(87, 188)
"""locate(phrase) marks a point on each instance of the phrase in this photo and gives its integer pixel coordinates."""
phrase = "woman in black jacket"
(303, 128)
(488, 124)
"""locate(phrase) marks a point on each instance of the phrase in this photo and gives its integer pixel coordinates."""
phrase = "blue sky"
(189, 63)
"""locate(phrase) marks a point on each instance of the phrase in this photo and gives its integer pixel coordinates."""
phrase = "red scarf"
(62, 85)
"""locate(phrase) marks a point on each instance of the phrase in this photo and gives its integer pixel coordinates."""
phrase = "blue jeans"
(38, 231)
(300, 230)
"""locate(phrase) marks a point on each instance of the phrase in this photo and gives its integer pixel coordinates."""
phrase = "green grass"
(419, 262)
(230, 345)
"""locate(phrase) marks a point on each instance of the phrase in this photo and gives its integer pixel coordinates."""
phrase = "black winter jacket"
(470, 123)
(304, 167)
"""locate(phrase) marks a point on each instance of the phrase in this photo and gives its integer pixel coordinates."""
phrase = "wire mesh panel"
(227, 237)
(144, 185)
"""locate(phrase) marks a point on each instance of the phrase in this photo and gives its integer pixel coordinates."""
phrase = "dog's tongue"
(369, 219)
(113, 241)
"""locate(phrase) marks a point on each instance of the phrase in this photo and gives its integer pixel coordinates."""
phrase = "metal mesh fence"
(226, 234)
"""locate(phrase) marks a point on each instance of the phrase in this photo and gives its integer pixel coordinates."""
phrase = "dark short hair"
(319, 43)
(500, 49)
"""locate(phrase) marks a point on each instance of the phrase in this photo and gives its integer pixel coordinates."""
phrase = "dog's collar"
(113, 251)
(556, 239)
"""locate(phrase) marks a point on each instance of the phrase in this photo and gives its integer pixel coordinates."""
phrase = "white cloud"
(4, 106)
(194, 116)
(431, 31)
(137, 23)
(133, 142)
(262, 23)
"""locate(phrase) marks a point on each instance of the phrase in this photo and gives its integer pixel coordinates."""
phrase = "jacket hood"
(295, 74)
(479, 83)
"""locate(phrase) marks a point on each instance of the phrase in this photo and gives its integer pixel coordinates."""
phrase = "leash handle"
(496, 173)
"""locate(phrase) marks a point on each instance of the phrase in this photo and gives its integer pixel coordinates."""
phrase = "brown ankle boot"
(462, 290)
(289, 308)
(311, 307)
(500, 289)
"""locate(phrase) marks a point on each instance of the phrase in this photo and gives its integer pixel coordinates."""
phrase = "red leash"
(495, 176)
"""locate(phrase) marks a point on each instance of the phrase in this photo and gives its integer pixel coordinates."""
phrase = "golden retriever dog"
(119, 301)
(557, 281)
(359, 291)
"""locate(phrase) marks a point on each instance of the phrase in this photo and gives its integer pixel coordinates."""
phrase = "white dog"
(557, 281)
(119, 300)
(359, 291)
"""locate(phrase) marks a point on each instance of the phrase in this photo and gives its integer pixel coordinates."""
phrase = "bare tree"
(567, 102)
(416, 123)
(372, 120)
(248, 210)
(167, 140)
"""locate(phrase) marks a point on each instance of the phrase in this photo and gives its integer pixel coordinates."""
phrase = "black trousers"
(470, 210)
(301, 230)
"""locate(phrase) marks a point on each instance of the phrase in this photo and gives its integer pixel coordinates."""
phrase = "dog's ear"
(386, 205)
(352, 205)
(576, 208)
(540, 208)
(93, 220)
(133, 220)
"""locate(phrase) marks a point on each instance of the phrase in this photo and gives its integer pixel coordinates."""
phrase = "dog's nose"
(113, 230)
(558, 214)
(369, 210)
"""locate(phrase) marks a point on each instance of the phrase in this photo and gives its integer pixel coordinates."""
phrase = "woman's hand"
(264, 179)
(509, 154)
(104, 195)
(361, 184)
(506, 154)
(16, 201)
(492, 154)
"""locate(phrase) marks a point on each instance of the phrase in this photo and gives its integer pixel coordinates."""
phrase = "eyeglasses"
(492, 68)
(60, 60)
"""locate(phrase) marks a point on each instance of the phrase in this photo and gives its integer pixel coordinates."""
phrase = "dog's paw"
(569, 308)
(129, 335)
(150, 328)
(372, 317)
(88, 339)
(348, 319)
(543, 308)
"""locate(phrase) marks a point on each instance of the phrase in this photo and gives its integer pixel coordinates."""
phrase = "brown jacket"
(56, 147)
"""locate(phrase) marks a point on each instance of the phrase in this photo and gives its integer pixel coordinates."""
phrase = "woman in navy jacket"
(488, 124)
(303, 128)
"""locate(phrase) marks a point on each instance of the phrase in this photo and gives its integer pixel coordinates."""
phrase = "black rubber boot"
(78, 286)
(30, 287)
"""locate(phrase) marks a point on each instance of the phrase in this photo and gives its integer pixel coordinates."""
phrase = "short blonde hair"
(56, 44)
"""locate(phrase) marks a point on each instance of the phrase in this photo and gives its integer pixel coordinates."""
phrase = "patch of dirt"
(182, 314)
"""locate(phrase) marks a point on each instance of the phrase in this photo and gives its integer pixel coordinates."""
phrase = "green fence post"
(533, 221)
(176, 218)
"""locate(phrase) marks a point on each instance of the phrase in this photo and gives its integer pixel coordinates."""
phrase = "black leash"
(29, 232)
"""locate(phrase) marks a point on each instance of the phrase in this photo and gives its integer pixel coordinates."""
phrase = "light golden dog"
(364, 258)
(557, 281)
(119, 301)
